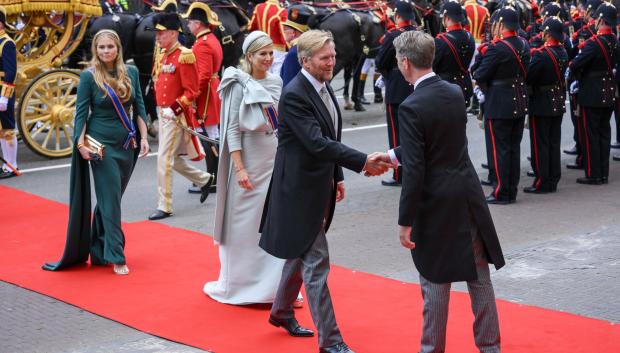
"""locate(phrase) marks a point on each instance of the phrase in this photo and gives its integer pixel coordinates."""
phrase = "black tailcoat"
(302, 191)
(441, 192)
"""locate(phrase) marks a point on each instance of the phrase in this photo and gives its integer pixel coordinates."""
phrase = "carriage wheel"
(46, 113)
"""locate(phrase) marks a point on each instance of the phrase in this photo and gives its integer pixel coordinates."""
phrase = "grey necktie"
(329, 104)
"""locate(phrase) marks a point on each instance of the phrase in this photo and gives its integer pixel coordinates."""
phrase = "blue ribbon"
(271, 113)
(127, 122)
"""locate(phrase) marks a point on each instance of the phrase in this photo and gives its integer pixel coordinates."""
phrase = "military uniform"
(547, 106)
(8, 71)
(209, 55)
(396, 87)
(594, 69)
(502, 71)
(478, 17)
(269, 17)
(175, 90)
(298, 17)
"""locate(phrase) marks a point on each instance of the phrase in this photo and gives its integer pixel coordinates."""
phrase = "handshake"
(377, 163)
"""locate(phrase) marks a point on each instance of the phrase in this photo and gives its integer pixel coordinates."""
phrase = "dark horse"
(139, 41)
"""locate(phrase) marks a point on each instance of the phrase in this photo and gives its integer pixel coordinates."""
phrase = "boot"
(377, 90)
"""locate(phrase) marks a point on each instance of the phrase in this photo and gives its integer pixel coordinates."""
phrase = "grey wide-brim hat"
(254, 35)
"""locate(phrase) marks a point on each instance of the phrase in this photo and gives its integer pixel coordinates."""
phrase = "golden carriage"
(47, 32)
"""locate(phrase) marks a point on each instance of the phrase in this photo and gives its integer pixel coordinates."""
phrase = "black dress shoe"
(486, 182)
(534, 190)
(590, 181)
(291, 326)
(159, 214)
(616, 158)
(194, 189)
(390, 182)
(204, 191)
(531, 174)
(358, 107)
(571, 151)
(615, 145)
(484, 165)
(338, 348)
(574, 166)
(363, 100)
(494, 201)
(378, 99)
(5, 174)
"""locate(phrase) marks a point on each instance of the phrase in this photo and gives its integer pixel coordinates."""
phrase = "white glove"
(380, 83)
(4, 101)
(167, 113)
(567, 74)
(479, 94)
(574, 87)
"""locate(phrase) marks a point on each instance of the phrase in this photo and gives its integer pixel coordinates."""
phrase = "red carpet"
(163, 295)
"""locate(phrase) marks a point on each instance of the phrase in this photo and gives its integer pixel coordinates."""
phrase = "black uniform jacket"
(441, 192)
(503, 78)
(396, 87)
(545, 78)
(593, 68)
(453, 53)
(302, 191)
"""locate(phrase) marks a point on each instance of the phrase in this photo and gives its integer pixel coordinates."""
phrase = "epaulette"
(187, 56)
(482, 49)
(582, 44)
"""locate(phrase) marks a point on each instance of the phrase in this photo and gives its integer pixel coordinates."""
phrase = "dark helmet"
(554, 27)
(592, 5)
(509, 17)
(454, 11)
(167, 21)
(405, 10)
(607, 12)
(298, 17)
(551, 10)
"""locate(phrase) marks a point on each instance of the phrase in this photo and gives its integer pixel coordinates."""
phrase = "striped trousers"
(312, 269)
(437, 296)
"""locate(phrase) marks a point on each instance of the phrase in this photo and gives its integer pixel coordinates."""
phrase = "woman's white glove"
(479, 94)
(4, 102)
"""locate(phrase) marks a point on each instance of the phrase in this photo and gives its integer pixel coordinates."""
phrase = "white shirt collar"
(428, 75)
(315, 83)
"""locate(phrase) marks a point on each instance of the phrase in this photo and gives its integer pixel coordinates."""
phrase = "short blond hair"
(311, 41)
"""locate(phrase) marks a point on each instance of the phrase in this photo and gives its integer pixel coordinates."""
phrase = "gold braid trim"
(6, 90)
(187, 56)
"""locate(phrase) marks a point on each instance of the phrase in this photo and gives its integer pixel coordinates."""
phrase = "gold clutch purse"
(97, 148)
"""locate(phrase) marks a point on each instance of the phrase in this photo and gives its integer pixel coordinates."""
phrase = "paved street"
(562, 250)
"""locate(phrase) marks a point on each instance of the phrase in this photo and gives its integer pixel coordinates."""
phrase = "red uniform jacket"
(478, 16)
(208, 53)
(269, 17)
(177, 81)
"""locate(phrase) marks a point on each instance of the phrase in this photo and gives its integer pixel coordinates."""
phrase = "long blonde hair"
(121, 83)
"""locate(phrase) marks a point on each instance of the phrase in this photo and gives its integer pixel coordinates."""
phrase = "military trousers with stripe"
(391, 111)
(168, 159)
(595, 140)
(506, 136)
(545, 140)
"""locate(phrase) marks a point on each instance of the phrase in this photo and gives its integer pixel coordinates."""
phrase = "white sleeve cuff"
(395, 161)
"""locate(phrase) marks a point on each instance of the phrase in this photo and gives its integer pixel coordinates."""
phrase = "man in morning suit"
(443, 217)
(306, 183)
(396, 88)
(501, 74)
(594, 69)
(208, 53)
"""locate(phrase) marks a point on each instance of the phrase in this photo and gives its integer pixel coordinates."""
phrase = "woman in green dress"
(108, 91)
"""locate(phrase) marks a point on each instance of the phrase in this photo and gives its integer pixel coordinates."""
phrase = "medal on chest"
(168, 68)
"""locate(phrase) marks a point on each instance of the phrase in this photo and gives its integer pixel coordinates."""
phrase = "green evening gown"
(103, 238)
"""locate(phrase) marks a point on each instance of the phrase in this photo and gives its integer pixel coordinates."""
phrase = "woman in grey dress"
(248, 145)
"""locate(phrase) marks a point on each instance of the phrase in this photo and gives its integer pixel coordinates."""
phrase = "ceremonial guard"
(502, 72)
(269, 17)
(478, 17)
(596, 87)
(208, 53)
(547, 106)
(169, 6)
(296, 24)
(8, 70)
(396, 87)
(175, 90)
(454, 49)
(581, 35)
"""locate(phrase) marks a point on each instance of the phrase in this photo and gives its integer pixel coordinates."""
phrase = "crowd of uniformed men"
(513, 73)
